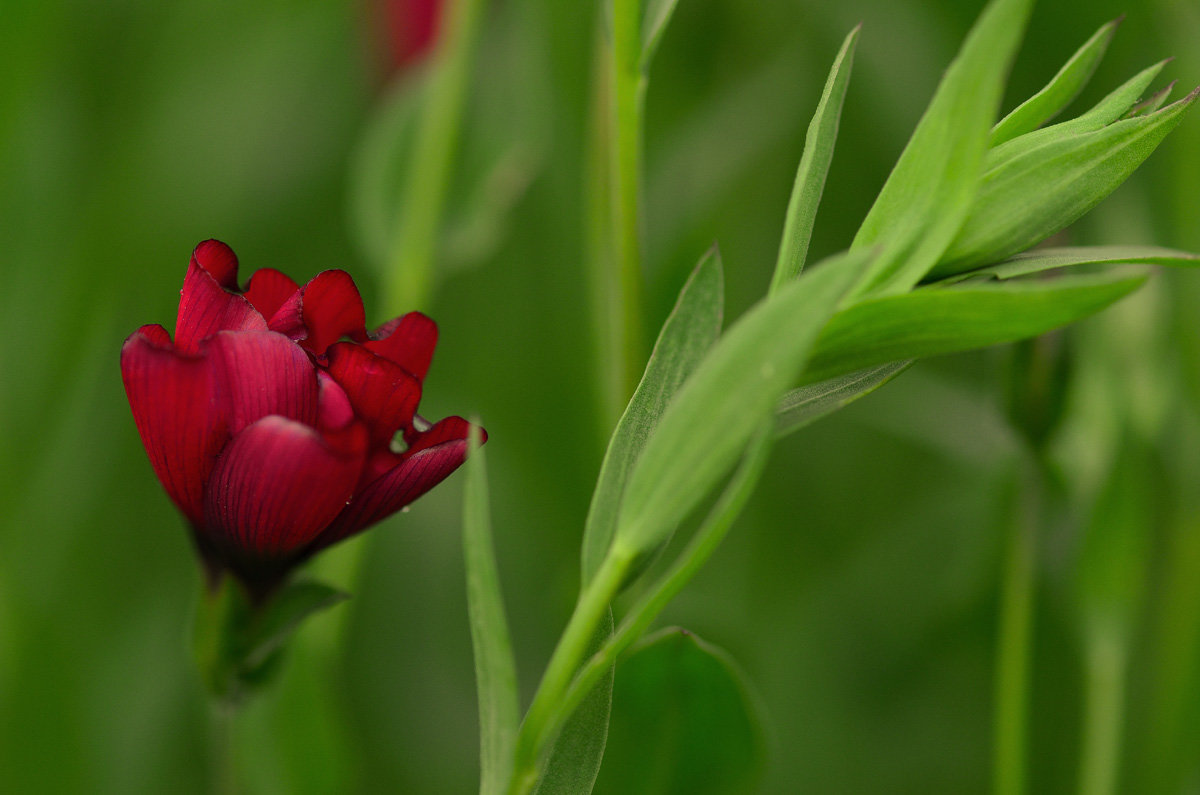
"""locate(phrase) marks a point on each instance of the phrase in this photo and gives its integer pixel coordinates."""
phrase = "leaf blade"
(495, 669)
(806, 405)
(1060, 91)
(929, 322)
(687, 334)
(814, 167)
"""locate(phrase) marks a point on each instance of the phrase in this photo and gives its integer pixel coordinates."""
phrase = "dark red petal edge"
(268, 290)
(181, 426)
(219, 261)
(275, 487)
(418, 471)
(206, 307)
(408, 341)
(384, 395)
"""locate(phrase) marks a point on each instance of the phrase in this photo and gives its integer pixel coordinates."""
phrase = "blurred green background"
(858, 591)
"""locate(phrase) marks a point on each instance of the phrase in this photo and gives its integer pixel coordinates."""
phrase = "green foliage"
(495, 669)
(684, 721)
(933, 320)
(813, 168)
(689, 331)
(929, 193)
(238, 643)
(807, 404)
(1041, 188)
(707, 427)
(1059, 92)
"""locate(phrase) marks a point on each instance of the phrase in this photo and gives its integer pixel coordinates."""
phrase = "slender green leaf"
(727, 398)
(814, 166)
(929, 322)
(654, 24)
(688, 333)
(1060, 91)
(575, 758)
(1153, 102)
(1045, 259)
(685, 721)
(929, 193)
(495, 669)
(1040, 192)
(279, 618)
(1106, 111)
(810, 403)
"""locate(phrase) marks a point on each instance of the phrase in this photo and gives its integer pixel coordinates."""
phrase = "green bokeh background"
(858, 591)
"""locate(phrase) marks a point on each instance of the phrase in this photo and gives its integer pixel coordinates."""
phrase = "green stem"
(628, 100)
(224, 781)
(1106, 659)
(1015, 639)
(409, 283)
(701, 547)
(545, 716)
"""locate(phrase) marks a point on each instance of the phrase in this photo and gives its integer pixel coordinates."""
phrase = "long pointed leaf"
(495, 669)
(688, 333)
(928, 322)
(806, 405)
(813, 168)
(1033, 196)
(732, 392)
(1045, 259)
(928, 194)
(1058, 93)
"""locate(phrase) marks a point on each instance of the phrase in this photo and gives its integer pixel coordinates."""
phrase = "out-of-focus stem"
(1014, 645)
(409, 281)
(1105, 657)
(617, 255)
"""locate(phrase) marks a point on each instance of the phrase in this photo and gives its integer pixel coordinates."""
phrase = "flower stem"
(1015, 638)
(1105, 660)
(614, 209)
(409, 283)
(546, 716)
(224, 779)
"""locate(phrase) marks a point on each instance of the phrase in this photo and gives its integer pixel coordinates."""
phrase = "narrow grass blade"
(806, 405)
(727, 398)
(1060, 91)
(814, 166)
(931, 322)
(1045, 259)
(688, 333)
(495, 669)
(654, 25)
(1040, 192)
(1105, 112)
(929, 193)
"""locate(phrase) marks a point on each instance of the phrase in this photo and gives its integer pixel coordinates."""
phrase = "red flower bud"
(271, 418)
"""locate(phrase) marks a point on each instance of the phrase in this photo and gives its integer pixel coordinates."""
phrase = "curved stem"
(545, 716)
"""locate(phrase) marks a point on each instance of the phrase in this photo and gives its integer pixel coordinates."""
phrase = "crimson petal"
(268, 290)
(275, 487)
(383, 394)
(418, 471)
(181, 427)
(260, 373)
(408, 341)
(322, 312)
(219, 261)
(205, 305)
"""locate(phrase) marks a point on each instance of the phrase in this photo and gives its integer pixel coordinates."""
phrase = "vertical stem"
(224, 779)
(619, 258)
(545, 718)
(409, 282)
(1015, 639)
(1106, 658)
